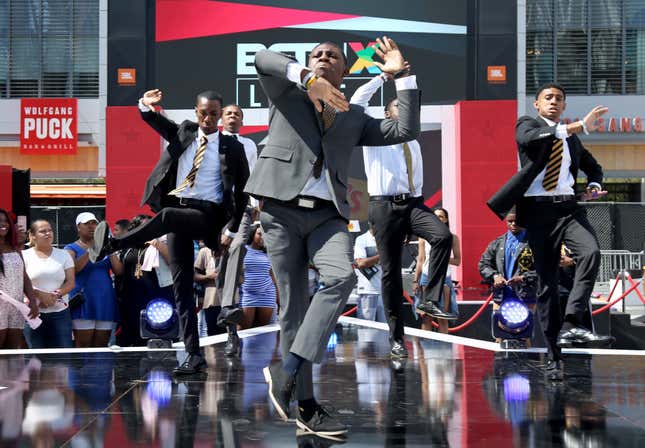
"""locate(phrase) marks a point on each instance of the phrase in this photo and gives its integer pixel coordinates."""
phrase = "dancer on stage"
(550, 156)
(197, 189)
(301, 178)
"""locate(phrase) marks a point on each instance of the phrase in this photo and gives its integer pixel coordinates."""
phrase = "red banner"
(48, 126)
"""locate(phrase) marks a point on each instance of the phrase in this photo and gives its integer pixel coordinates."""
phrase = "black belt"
(197, 203)
(553, 199)
(398, 198)
(308, 202)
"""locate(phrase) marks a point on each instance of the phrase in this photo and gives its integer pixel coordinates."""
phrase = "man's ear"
(535, 104)
(387, 114)
(564, 106)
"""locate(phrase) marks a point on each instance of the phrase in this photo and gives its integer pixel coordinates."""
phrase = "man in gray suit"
(301, 178)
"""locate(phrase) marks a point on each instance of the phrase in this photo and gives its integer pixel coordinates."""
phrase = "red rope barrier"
(348, 312)
(473, 317)
(638, 293)
(614, 288)
(610, 304)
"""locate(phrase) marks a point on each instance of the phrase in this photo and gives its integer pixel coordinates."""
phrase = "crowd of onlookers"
(85, 304)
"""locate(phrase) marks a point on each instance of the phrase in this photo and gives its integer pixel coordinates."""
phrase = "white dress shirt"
(208, 182)
(250, 149)
(385, 166)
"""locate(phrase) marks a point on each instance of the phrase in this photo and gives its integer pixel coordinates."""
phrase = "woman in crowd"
(207, 266)
(94, 318)
(259, 293)
(449, 298)
(51, 271)
(14, 283)
(145, 275)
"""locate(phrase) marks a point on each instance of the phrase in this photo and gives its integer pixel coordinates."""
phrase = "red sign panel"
(48, 126)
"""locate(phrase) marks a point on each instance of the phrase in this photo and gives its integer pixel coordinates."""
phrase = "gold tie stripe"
(552, 172)
(328, 116)
(189, 181)
(408, 165)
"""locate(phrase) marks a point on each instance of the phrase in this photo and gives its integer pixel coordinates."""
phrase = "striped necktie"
(328, 117)
(408, 165)
(552, 172)
(189, 181)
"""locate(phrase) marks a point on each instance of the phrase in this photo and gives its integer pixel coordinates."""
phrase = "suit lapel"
(500, 257)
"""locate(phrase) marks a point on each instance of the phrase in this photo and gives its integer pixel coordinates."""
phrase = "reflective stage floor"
(451, 392)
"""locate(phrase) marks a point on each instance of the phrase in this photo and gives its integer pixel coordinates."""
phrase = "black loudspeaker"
(20, 203)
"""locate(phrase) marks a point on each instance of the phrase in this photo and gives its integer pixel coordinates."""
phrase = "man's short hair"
(210, 95)
(333, 44)
(235, 105)
(123, 223)
(388, 104)
(551, 85)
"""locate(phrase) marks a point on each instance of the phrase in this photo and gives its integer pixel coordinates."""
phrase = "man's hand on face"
(152, 98)
(323, 90)
(393, 61)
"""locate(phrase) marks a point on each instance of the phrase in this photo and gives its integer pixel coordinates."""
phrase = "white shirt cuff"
(594, 184)
(143, 107)
(406, 83)
(229, 233)
(561, 131)
(294, 70)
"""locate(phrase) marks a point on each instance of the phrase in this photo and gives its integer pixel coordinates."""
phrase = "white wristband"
(584, 127)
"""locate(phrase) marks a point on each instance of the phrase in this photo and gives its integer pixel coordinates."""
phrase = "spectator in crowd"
(93, 319)
(448, 302)
(366, 257)
(207, 270)
(51, 271)
(14, 283)
(507, 265)
(120, 227)
(259, 293)
(145, 275)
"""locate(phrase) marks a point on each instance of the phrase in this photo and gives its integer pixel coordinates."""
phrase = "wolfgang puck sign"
(48, 126)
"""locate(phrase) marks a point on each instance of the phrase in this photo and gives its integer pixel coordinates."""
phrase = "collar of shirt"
(520, 237)
(233, 134)
(212, 138)
(549, 122)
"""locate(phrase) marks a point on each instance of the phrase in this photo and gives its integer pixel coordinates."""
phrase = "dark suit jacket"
(233, 167)
(492, 263)
(296, 136)
(534, 139)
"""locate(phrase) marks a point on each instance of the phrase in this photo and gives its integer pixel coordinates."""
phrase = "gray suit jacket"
(296, 136)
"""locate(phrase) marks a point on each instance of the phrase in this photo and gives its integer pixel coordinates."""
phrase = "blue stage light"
(159, 314)
(516, 388)
(332, 342)
(514, 315)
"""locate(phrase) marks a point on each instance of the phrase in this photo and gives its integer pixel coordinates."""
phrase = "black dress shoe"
(398, 349)
(398, 364)
(194, 363)
(281, 387)
(321, 423)
(583, 338)
(229, 316)
(433, 310)
(232, 346)
(103, 243)
(554, 370)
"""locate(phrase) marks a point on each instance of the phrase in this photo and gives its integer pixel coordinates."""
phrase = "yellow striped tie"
(189, 181)
(552, 172)
(408, 165)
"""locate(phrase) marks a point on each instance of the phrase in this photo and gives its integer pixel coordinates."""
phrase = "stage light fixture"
(512, 322)
(159, 323)
(514, 315)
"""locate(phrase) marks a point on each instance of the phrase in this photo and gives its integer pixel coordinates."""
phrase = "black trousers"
(392, 222)
(183, 225)
(549, 225)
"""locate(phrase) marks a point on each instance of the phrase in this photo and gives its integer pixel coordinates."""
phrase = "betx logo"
(48, 126)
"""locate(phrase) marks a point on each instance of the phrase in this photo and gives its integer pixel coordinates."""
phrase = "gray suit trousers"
(232, 263)
(293, 237)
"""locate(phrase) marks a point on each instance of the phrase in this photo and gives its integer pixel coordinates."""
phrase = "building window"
(49, 48)
(591, 47)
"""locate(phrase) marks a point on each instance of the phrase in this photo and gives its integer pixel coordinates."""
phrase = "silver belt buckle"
(400, 197)
(306, 203)
(182, 201)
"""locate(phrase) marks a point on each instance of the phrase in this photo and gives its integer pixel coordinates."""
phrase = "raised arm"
(164, 127)
(364, 93)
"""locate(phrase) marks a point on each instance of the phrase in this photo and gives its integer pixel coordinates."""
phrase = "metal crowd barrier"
(614, 261)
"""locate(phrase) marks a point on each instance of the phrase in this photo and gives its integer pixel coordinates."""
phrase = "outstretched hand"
(591, 119)
(393, 61)
(592, 193)
(323, 90)
(152, 98)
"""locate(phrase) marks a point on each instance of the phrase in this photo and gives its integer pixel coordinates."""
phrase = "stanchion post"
(623, 273)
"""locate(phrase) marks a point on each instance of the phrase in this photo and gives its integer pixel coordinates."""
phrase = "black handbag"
(76, 300)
